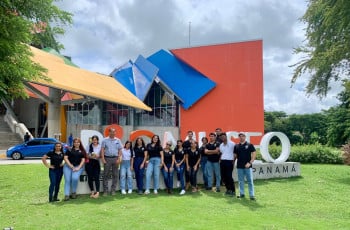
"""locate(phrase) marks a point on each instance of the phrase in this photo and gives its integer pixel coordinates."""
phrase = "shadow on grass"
(345, 180)
(277, 180)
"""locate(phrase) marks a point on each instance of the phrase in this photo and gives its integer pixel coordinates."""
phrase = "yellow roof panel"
(84, 82)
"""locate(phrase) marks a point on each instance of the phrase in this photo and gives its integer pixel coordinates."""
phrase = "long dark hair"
(143, 142)
(81, 147)
(158, 142)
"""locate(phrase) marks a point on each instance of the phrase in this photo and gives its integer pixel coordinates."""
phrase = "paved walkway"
(7, 161)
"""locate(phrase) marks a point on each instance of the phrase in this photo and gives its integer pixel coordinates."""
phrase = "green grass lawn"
(317, 200)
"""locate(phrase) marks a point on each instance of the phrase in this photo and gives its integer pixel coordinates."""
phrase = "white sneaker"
(155, 191)
(123, 192)
(182, 192)
(178, 184)
(146, 192)
(129, 191)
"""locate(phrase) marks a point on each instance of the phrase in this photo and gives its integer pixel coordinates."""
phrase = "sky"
(105, 34)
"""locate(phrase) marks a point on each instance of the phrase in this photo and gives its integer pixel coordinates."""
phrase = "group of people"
(216, 157)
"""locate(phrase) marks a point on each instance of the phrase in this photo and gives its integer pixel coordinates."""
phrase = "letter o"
(264, 147)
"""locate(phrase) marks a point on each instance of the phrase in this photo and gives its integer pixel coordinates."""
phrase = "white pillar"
(54, 112)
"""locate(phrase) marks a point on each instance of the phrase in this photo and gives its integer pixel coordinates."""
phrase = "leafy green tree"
(25, 22)
(327, 51)
(338, 132)
(311, 127)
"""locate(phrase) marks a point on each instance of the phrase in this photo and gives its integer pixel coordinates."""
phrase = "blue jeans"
(180, 175)
(55, 176)
(213, 166)
(71, 179)
(168, 177)
(139, 172)
(248, 174)
(125, 172)
(153, 169)
(203, 163)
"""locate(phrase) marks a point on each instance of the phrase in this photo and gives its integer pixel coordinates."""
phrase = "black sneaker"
(207, 188)
(240, 196)
(217, 190)
(252, 198)
(229, 193)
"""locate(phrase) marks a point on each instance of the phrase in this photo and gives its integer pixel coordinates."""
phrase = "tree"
(338, 132)
(25, 22)
(327, 49)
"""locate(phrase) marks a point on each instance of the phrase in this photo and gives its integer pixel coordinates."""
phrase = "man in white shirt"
(227, 162)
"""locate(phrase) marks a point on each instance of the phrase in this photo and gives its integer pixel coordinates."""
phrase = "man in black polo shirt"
(213, 153)
(245, 154)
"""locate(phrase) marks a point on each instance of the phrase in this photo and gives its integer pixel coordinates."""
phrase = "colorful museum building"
(196, 88)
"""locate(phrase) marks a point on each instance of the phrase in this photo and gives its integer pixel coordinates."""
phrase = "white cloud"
(107, 33)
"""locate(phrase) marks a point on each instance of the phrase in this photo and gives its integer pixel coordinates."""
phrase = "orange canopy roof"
(83, 82)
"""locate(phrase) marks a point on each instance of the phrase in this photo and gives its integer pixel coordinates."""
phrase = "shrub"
(346, 153)
(315, 153)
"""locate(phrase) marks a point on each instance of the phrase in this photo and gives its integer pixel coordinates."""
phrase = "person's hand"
(142, 166)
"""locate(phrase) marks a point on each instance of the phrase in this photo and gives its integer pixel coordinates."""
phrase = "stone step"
(7, 138)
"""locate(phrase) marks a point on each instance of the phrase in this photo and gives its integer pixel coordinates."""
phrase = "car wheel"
(16, 156)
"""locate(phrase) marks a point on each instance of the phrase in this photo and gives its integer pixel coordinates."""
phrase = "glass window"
(164, 109)
(33, 142)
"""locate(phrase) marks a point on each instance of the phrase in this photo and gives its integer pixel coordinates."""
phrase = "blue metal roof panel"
(124, 75)
(187, 83)
(144, 74)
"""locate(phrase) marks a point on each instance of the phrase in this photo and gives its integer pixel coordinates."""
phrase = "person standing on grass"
(92, 167)
(227, 163)
(193, 158)
(187, 145)
(155, 162)
(55, 170)
(204, 160)
(139, 162)
(168, 167)
(245, 154)
(179, 153)
(126, 167)
(110, 157)
(213, 166)
(72, 169)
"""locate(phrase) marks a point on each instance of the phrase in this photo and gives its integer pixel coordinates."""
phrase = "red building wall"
(236, 103)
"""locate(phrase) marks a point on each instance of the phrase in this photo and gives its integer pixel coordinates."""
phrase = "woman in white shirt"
(126, 167)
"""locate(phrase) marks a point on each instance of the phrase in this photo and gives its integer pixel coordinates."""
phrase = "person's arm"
(144, 160)
(119, 157)
(132, 160)
(172, 162)
(103, 155)
(186, 160)
(82, 162)
(68, 162)
(43, 159)
(197, 163)
(212, 152)
(161, 158)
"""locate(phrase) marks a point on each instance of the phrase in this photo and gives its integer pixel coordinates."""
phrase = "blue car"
(36, 147)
